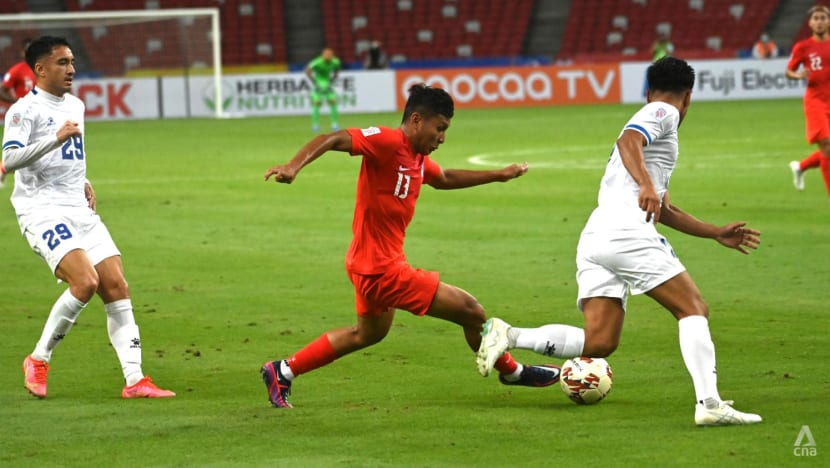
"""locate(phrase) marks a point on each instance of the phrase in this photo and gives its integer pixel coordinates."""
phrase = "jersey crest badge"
(660, 113)
(369, 131)
(16, 118)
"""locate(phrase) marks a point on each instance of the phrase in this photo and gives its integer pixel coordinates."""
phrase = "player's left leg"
(123, 330)
(680, 296)
(335, 119)
(2, 175)
(458, 306)
(824, 162)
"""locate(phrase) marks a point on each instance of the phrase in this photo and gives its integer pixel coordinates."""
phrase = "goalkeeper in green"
(322, 71)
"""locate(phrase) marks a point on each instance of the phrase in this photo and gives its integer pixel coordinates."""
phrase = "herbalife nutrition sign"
(289, 94)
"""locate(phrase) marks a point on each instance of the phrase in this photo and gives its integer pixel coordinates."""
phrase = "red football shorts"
(400, 286)
(817, 117)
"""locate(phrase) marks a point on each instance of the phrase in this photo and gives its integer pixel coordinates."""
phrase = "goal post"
(182, 42)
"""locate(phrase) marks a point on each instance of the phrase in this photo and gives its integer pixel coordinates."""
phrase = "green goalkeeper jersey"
(323, 71)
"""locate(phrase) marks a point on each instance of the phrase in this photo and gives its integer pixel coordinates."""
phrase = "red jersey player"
(395, 164)
(18, 81)
(812, 56)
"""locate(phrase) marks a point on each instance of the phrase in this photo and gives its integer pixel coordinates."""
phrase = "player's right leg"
(316, 103)
(74, 268)
(680, 296)
(600, 337)
(373, 324)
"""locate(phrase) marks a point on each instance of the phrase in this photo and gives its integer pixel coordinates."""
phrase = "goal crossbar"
(133, 16)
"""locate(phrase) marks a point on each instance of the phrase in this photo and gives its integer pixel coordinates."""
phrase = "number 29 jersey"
(55, 180)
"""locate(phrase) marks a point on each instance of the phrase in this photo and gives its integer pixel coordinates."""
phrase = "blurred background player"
(812, 56)
(662, 47)
(16, 83)
(55, 205)
(375, 57)
(764, 48)
(395, 164)
(620, 252)
(322, 71)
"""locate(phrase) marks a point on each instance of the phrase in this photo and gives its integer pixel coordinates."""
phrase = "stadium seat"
(688, 24)
(737, 10)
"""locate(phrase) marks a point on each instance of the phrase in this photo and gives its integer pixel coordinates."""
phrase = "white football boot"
(720, 413)
(798, 175)
(494, 343)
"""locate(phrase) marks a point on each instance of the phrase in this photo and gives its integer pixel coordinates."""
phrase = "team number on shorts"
(53, 237)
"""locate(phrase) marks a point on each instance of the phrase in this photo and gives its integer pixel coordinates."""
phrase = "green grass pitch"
(228, 271)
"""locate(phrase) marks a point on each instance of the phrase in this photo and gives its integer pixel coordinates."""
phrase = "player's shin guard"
(61, 318)
(125, 338)
(698, 352)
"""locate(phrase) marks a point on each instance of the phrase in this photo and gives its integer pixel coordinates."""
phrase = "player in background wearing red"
(395, 164)
(812, 56)
(18, 81)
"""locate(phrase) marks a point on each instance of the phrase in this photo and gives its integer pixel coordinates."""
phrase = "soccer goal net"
(174, 44)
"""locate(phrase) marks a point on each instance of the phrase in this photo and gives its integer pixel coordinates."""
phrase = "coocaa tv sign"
(505, 87)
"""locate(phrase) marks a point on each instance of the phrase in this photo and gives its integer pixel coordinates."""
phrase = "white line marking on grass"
(572, 159)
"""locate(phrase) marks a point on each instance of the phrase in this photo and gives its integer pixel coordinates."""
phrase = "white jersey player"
(43, 143)
(621, 252)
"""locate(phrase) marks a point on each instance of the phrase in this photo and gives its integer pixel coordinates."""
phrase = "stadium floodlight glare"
(119, 43)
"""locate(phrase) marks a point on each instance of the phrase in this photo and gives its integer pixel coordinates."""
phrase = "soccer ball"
(586, 380)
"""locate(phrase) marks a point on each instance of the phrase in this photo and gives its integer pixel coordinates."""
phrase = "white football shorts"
(53, 234)
(614, 263)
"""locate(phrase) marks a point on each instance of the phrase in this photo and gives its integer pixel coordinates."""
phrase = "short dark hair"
(670, 74)
(817, 8)
(42, 47)
(428, 101)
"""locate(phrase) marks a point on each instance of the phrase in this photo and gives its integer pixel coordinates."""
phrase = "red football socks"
(506, 364)
(316, 354)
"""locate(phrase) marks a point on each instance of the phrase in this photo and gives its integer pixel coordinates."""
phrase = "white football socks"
(562, 341)
(61, 318)
(125, 339)
(698, 352)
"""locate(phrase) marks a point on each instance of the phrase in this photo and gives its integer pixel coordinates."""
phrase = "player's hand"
(90, 196)
(283, 174)
(737, 236)
(513, 171)
(649, 202)
(68, 130)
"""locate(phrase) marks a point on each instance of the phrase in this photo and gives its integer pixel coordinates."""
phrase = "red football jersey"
(388, 186)
(20, 79)
(815, 57)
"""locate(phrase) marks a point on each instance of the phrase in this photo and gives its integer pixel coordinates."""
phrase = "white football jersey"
(618, 199)
(57, 178)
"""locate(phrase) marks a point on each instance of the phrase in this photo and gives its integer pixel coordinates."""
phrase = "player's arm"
(89, 193)
(734, 235)
(630, 145)
(462, 178)
(797, 74)
(340, 140)
(16, 154)
(792, 71)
